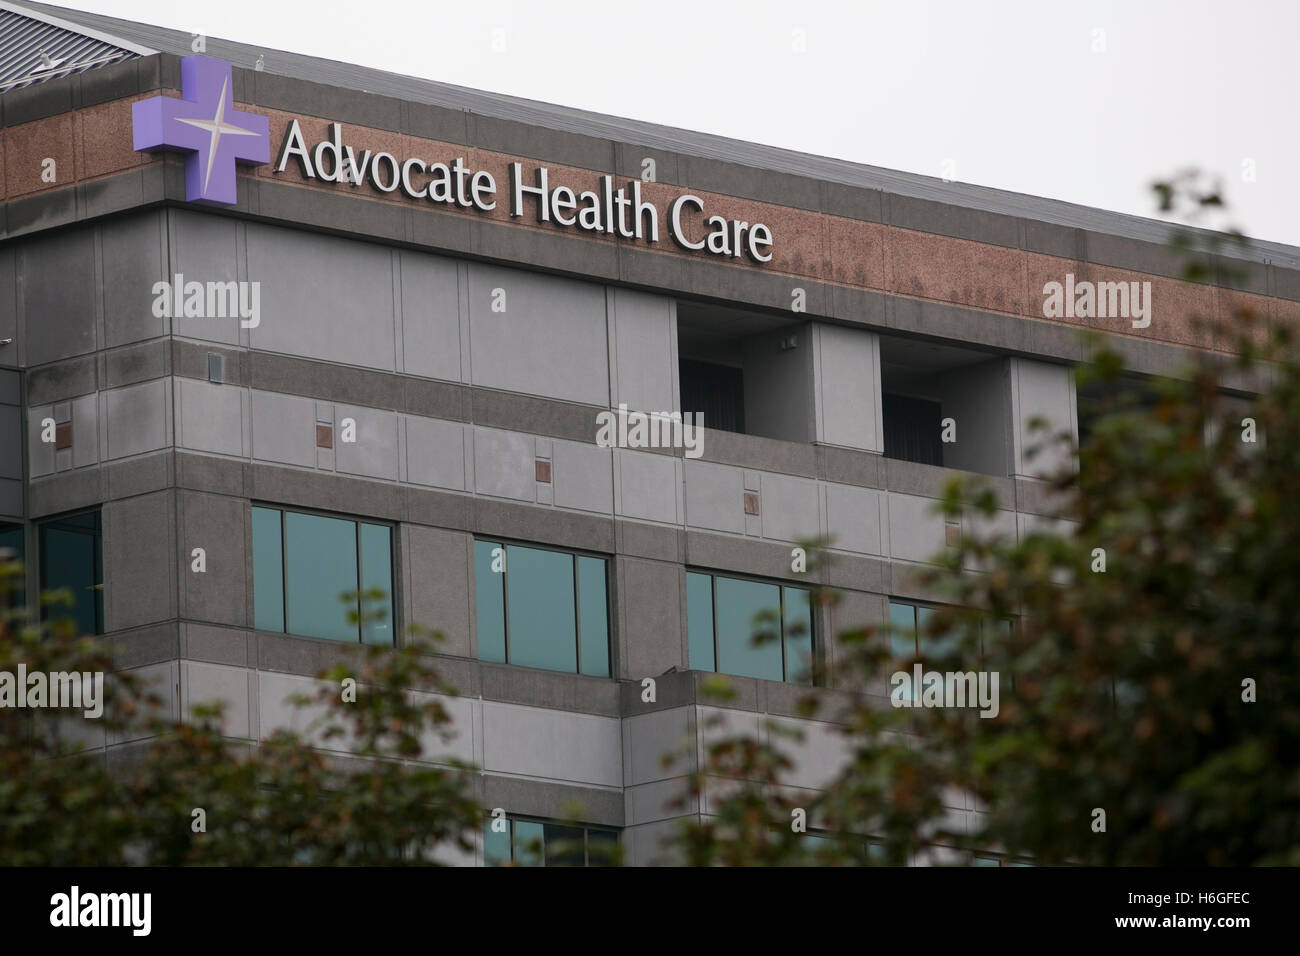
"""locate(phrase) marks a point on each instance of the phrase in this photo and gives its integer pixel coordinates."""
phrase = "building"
(273, 332)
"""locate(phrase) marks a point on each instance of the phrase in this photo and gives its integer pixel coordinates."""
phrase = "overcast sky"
(1082, 101)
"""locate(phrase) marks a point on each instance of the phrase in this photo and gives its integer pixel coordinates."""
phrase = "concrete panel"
(459, 744)
(643, 347)
(275, 711)
(205, 248)
(788, 508)
(652, 802)
(848, 388)
(40, 454)
(582, 476)
(59, 290)
(650, 635)
(816, 759)
(435, 453)
(978, 398)
(284, 428)
(8, 306)
(436, 582)
(159, 679)
(853, 518)
(649, 486)
(916, 532)
(779, 384)
(648, 737)
(1002, 525)
(431, 344)
(505, 464)
(1043, 390)
(553, 744)
(550, 340)
(139, 569)
(11, 442)
(133, 262)
(85, 430)
(311, 287)
(218, 683)
(374, 453)
(649, 844)
(210, 417)
(715, 497)
(138, 419)
(215, 524)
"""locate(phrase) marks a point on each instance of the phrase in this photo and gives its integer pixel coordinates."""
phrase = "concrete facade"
(386, 314)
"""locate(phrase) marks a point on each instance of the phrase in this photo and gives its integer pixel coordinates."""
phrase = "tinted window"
(11, 540)
(538, 607)
(71, 558)
(724, 614)
(304, 565)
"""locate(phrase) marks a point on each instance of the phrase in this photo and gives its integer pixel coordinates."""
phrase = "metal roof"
(704, 145)
(35, 46)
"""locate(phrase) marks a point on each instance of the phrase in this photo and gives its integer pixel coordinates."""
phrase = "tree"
(186, 794)
(1148, 664)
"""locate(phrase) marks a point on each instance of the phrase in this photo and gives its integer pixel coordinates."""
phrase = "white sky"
(1011, 94)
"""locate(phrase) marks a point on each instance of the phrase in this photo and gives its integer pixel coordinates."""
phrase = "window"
(543, 608)
(72, 560)
(539, 843)
(716, 391)
(303, 564)
(723, 614)
(912, 429)
(12, 549)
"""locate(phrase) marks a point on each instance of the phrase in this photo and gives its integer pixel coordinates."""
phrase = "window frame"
(394, 593)
(814, 635)
(586, 828)
(574, 554)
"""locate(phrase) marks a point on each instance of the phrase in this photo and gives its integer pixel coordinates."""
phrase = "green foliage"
(347, 789)
(1122, 690)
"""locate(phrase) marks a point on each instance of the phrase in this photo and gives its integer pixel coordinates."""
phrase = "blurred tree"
(184, 793)
(1148, 664)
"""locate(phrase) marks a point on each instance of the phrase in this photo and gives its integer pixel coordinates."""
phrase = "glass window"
(377, 578)
(496, 845)
(11, 541)
(489, 597)
(699, 621)
(542, 608)
(304, 564)
(71, 560)
(741, 608)
(593, 614)
(542, 843)
(796, 610)
(724, 614)
(902, 637)
(912, 637)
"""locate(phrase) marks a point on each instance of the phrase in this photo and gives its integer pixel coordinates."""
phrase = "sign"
(204, 123)
(612, 211)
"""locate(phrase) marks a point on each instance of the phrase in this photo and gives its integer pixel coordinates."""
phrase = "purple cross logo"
(206, 124)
